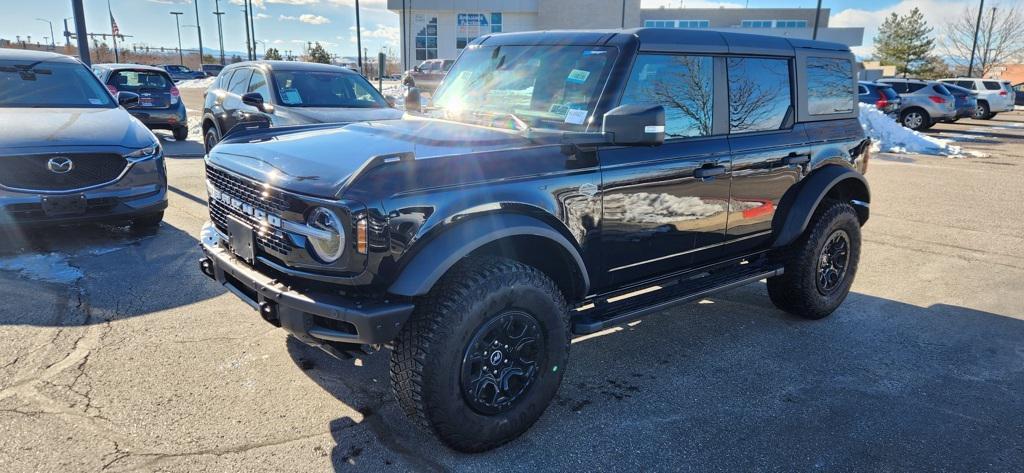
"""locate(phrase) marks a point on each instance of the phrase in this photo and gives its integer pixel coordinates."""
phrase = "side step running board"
(585, 326)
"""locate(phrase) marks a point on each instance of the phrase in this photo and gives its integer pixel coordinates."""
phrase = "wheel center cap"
(496, 357)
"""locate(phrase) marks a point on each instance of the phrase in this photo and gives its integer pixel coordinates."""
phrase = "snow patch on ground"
(196, 83)
(891, 137)
(49, 267)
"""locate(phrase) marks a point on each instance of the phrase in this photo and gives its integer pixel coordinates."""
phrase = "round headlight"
(327, 249)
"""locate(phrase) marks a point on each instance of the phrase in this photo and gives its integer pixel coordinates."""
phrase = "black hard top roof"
(30, 55)
(666, 39)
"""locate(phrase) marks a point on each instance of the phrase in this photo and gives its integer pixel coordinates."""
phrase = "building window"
(660, 23)
(791, 23)
(470, 26)
(426, 38)
(756, 24)
(694, 24)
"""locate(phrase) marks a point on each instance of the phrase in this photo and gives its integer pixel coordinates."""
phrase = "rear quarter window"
(992, 85)
(829, 86)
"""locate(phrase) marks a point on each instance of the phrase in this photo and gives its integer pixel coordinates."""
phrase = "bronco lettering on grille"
(247, 209)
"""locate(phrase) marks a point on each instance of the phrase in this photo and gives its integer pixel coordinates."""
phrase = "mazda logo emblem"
(60, 165)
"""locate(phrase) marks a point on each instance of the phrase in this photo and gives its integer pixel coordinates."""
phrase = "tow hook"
(206, 266)
(268, 310)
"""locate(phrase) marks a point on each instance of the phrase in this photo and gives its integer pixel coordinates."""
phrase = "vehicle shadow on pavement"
(88, 274)
(731, 383)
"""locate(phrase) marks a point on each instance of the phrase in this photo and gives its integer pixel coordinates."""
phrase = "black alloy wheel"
(501, 362)
(832, 264)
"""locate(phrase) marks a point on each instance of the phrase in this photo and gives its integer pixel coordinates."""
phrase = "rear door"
(155, 88)
(666, 207)
(768, 150)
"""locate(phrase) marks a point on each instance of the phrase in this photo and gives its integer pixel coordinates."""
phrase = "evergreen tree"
(317, 53)
(272, 54)
(905, 41)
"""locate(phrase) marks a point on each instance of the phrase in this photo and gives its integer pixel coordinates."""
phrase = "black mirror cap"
(413, 100)
(255, 99)
(635, 124)
(128, 99)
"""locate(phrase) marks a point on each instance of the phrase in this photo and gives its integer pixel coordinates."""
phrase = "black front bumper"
(314, 318)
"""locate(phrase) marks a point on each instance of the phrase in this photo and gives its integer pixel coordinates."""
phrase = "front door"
(665, 207)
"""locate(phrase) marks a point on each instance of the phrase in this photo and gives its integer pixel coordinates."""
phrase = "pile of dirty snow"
(196, 83)
(891, 137)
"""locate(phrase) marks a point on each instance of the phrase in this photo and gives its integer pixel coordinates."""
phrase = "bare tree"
(1000, 38)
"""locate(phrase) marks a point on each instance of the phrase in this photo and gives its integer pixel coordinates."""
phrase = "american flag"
(114, 30)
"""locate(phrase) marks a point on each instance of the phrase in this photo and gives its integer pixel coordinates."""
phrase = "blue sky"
(287, 24)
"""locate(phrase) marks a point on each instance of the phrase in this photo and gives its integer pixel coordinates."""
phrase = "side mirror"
(255, 99)
(128, 99)
(642, 125)
(412, 100)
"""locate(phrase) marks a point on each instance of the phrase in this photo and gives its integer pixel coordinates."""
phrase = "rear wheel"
(181, 133)
(820, 265)
(483, 355)
(916, 119)
(211, 138)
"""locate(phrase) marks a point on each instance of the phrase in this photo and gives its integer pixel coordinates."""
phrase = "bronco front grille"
(35, 172)
(255, 195)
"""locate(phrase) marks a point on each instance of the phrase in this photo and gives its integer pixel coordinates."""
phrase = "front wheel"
(484, 353)
(819, 267)
(211, 138)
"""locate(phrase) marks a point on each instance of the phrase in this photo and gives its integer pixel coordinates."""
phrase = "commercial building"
(441, 28)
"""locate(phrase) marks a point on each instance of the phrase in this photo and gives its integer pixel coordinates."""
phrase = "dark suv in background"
(160, 105)
(428, 75)
(68, 152)
(283, 93)
(561, 183)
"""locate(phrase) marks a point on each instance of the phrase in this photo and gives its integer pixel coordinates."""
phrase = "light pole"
(974, 46)
(817, 15)
(220, 30)
(359, 39)
(199, 32)
(81, 34)
(252, 30)
(248, 41)
(181, 57)
(53, 44)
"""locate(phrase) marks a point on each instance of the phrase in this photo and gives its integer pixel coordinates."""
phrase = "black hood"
(317, 161)
(22, 128)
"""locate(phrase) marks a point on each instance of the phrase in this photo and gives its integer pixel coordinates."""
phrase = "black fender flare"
(798, 205)
(444, 251)
(216, 124)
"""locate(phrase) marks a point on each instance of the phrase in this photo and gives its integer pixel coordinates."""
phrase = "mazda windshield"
(41, 84)
(525, 87)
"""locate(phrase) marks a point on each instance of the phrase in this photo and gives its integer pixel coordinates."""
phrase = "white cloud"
(287, 18)
(313, 19)
(936, 12)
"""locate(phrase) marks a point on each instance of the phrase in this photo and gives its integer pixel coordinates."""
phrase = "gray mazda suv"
(69, 151)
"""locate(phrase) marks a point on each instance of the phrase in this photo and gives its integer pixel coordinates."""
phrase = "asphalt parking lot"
(116, 354)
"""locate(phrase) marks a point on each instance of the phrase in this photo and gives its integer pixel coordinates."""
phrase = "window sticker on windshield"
(575, 116)
(594, 53)
(291, 97)
(95, 101)
(577, 76)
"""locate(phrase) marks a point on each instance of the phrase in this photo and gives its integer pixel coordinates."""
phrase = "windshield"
(177, 69)
(326, 89)
(544, 86)
(134, 81)
(50, 84)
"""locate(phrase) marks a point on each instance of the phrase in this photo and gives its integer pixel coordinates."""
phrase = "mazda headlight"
(144, 153)
(329, 244)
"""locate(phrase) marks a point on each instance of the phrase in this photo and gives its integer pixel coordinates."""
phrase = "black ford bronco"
(558, 183)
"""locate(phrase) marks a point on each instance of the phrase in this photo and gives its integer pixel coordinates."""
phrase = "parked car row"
(919, 104)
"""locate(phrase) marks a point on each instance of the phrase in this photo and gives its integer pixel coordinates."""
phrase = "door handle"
(796, 158)
(708, 171)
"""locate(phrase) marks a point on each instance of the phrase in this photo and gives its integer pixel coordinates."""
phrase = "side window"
(239, 81)
(258, 84)
(992, 85)
(900, 87)
(829, 86)
(223, 79)
(684, 85)
(967, 84)
(759, 94)
(914, 87)
(861, 90)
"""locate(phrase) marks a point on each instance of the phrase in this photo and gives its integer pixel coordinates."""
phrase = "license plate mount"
(64, 205)
(241, 238)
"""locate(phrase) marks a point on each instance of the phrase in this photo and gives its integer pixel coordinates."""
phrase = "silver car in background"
(924, 102)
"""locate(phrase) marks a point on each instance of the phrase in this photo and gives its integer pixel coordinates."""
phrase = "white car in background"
(993, 95)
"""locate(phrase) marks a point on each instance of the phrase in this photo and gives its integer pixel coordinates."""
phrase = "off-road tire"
(180, 133)
(147, 222)
(797, 290)
(426, 364)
